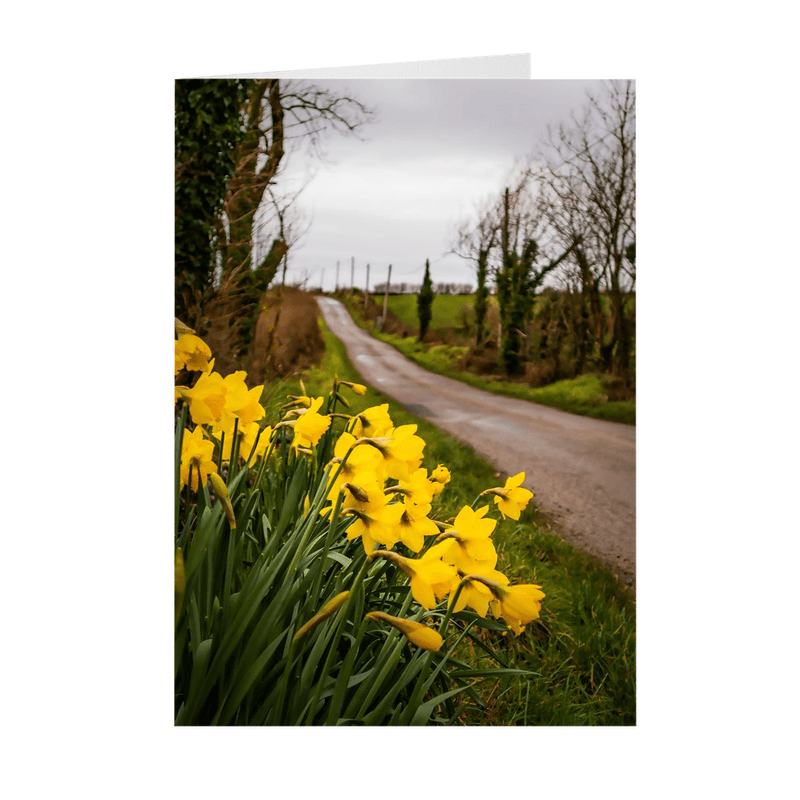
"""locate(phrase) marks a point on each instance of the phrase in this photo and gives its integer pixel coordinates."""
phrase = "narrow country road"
(581, 470)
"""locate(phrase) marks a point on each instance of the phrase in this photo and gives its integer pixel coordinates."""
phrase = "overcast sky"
(436, 148)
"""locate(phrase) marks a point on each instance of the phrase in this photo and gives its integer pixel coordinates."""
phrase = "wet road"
(582, 471)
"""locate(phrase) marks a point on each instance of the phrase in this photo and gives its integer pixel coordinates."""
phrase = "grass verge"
(583, 646)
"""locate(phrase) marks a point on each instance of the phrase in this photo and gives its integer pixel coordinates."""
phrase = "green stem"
(234, 451)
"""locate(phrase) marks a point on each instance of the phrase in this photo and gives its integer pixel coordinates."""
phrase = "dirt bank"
(287, 337)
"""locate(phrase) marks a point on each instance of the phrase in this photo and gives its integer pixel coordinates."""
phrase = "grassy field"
(584, 395)
(583, 647)
(446, 309)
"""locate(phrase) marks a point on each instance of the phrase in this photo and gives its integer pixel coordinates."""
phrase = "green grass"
(584, 644)
(445, 310)
(583, 395)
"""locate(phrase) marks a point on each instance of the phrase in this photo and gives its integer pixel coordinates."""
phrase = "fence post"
(386, 296)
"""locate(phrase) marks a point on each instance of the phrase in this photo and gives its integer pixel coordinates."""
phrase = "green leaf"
(423, 713)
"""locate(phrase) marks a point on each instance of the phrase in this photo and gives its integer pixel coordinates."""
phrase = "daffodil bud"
(417, 633)
(357, 492)
(358, 388)
(180, 328)
(328, 610)
(221, 490)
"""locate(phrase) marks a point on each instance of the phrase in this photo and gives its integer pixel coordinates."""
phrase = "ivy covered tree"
(231, 139)
(208, 128)
(425, 302)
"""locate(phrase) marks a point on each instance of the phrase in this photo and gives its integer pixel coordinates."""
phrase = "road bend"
(582, 471)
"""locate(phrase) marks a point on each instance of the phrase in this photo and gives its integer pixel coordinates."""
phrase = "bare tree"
(277, 117)
(587, 180)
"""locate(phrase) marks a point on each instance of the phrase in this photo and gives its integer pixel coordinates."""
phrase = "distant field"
(446, 308)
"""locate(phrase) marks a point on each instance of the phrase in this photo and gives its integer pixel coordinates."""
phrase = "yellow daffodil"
(252, 439)
(401, 451)
(518, 605)
(358, 388)
(417, 488)
(364, 464)
(417, 633)
(206, 398)
(439, 477)
(415, 525)
(376, 520)
(511, 499)
(476, 594)
(191, 352)
(430, 577)
(473, 549)
(328, 610)
(374, 421)
(309, 426)
(196, 454)
(241, 403)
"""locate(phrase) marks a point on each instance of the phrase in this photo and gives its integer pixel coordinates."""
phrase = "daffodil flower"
(473, 549)
(309, 426)
(475, 594)
(517, 605)
(417, 633)
(191, 352)
(438, 478)
(430, 577)
(401, 451)
(376, 520)
(415, 525)
(197, 456)
(240, 402)
(511, 499)
(363, 464)
(374, 421)
(206, 398)
(418, 488)
(251, 438)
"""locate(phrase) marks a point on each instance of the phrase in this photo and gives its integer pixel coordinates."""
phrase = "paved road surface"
(582, 471)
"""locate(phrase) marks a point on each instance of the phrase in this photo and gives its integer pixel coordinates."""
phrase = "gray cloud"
(437, 148)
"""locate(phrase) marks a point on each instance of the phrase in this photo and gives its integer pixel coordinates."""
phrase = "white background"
(88, 299)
